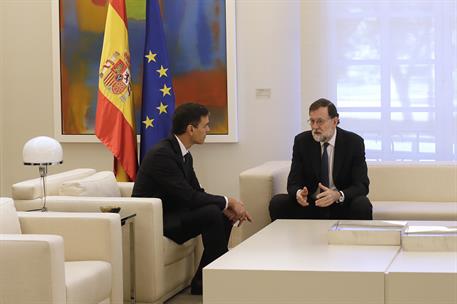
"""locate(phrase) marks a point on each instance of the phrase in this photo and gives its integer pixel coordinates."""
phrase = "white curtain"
(392, 71)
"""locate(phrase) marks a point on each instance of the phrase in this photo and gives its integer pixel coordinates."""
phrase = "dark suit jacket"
(162, 175)
(349, 166)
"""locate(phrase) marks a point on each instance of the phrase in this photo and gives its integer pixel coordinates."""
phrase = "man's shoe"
(196, 287)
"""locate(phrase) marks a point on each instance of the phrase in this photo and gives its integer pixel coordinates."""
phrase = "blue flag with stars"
(158, 102)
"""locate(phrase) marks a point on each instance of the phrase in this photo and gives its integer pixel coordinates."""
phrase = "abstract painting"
(200, 41)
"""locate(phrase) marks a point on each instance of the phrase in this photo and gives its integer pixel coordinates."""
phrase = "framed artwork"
(200, 38)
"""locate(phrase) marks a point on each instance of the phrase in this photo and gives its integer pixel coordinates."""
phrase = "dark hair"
(324, 103)
(188, 114)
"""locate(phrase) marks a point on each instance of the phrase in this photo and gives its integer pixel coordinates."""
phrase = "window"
(394, 76)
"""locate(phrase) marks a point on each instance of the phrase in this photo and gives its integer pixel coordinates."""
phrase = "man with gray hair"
(328, 177)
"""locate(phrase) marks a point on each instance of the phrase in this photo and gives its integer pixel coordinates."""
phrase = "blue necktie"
(324, 167)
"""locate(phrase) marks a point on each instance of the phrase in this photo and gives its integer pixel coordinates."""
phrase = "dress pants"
(212, 224)
(282, 206)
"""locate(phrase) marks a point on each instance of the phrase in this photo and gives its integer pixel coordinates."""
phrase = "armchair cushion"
(9, 222)
(31, 189)
(174, 252)
(87, 281)
(100, 184)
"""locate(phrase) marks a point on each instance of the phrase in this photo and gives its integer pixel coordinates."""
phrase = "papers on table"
(394, 233)
(371, 225)
(430, 238)
(366, 232)
(444, 230)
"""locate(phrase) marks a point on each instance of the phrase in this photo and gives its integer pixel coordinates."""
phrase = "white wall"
(268, 51)
(314, 60)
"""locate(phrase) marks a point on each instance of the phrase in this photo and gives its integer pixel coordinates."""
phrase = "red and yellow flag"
(115, 118)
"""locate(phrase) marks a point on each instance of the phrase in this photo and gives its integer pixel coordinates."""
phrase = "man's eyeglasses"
(318, 121)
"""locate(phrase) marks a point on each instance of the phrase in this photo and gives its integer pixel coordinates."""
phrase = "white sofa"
(163, 268)
(45, 259)
(398, 191)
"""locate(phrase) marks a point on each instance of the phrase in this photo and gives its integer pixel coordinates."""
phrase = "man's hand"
(237, 211)
(230, 215)
(302, 197)
(326, 197)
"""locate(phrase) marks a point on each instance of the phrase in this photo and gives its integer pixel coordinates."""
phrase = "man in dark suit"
(167, 172)
(328, 177)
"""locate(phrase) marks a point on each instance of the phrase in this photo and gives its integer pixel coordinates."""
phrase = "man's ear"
(190, 129)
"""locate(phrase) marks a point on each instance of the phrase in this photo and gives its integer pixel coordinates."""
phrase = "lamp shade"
(42, 150)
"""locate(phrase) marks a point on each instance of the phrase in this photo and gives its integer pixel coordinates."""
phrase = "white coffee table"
(422, 278)
(289, 261)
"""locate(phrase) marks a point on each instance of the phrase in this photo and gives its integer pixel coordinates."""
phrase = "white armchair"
(44, 258)
(163, 267)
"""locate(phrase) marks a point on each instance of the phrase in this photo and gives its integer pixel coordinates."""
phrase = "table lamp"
(42, 151)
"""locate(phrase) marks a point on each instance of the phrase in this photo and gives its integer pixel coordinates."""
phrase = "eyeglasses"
(318, 121)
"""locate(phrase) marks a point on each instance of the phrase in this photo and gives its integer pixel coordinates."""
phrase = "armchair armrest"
(32, 268)
(87, 236)
(125, 188)
(257, 186)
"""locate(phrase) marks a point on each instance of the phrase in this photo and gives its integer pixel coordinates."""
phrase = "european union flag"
(158, 102)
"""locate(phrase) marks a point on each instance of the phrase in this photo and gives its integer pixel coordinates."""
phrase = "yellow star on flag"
(151, 56)
(165, 90)
(148, 122)
(162, 71)
(162, 108)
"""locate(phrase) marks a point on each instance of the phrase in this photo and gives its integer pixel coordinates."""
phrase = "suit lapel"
(177, 150)
(316, 154)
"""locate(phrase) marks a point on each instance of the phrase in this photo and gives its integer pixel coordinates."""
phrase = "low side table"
(129, 218)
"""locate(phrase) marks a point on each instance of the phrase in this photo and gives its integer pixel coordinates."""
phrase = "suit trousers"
(212, 224)
(282, 206)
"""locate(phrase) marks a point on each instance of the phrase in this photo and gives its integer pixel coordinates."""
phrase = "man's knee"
(277, 206)
(212, 214)
(361, 208)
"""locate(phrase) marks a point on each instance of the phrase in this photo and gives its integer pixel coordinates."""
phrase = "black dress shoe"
(196, 287)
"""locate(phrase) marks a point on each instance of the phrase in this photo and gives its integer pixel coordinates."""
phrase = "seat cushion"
(31, 189)
(174, 252)
(100, 184)
(401, 210)
(87, 281)
(9, 222)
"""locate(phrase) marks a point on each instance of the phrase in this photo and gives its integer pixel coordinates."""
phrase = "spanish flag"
(115, 118)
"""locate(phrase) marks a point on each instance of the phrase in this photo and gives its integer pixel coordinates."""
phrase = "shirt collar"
(332, 140)
(184, 151)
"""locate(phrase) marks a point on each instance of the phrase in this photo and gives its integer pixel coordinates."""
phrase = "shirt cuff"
(226, 202)
(341, 199)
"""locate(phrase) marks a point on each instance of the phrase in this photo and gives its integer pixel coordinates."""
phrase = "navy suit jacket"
(162, 175)
(349, 166)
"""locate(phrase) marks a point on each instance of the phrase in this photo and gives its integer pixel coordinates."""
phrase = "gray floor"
(184, 297)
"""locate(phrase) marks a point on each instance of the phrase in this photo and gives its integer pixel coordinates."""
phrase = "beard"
(319, 137)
